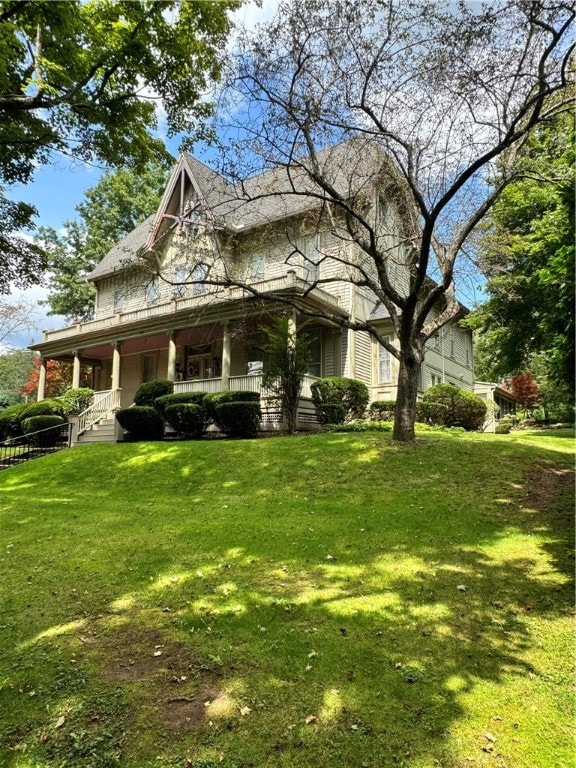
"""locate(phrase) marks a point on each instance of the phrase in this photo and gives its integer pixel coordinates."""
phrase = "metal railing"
(17, 450)
(104, 403)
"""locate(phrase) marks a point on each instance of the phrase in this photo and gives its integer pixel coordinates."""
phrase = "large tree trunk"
(405, 413)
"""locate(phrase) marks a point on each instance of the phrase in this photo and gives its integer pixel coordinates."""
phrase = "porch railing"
(103, 404)
(247, 383)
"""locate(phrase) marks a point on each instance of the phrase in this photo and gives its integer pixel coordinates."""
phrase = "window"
(437, 339)
(199, 273)
(257, 266)
(435, 379)
(152, 292)
(148, 368)
(315, 352)
(310, 247)
(180, 276)
(119, 299)
(384, 364)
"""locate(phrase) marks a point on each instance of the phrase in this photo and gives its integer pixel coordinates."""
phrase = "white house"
(180, 297)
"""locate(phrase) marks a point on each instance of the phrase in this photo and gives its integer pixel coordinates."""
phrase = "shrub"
(238, 419)
(214, 399)
(331, 413)
(434, 414)
(463, 409)
(45, 426)
(382, 410)
(142, 422)
(503, 428)
(11, 418)
(187, 419)
(352, 394)
(150, 390)
(76, 400)
(360, 426)
(162, 403)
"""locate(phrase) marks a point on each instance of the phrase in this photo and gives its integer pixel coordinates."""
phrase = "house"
(180, 297)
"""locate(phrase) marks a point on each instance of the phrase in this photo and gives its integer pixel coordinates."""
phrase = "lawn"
(309, 602)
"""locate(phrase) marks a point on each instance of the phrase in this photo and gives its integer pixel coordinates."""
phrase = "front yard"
(309, 602)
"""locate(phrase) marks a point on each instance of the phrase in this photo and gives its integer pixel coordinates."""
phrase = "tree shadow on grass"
(292, 649)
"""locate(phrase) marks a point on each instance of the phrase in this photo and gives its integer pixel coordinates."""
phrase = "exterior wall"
(449, 359)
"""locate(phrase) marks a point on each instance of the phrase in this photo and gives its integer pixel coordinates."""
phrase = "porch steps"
(102, 432)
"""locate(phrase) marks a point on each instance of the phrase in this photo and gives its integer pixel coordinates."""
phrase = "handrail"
(107, 402)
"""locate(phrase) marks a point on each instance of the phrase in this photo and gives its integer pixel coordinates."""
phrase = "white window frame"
(180, 276)
(257, 269)
(152, 292)
(384, 358)
(118, 299)
(310, 246)
(200, 272)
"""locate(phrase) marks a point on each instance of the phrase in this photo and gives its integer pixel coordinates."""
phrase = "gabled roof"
(277, 194)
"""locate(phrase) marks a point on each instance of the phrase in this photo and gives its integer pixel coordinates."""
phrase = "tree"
(89, 79)
(58, 376)
(432, 95)
(112, 208)
(16, 316)
(525, 389)
(528, 256)
(287, 362)
(15, 368)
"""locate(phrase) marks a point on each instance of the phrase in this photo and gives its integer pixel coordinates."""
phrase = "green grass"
(307, 602)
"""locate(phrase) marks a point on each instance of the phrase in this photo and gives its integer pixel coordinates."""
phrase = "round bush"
(142, 422)
(11, 418)
(187, 419)
(434, 414)
(238, 419)
(331, 413)
(352, 394)
(382, 410)
(217, 398)
(75, 400)
(150, 390)
(46, 427)
(162, 403)
(463, 408)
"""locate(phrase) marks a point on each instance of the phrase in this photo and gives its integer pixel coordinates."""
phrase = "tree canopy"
(111, 209)
(91, 80)
(436, 94)
(528, 256)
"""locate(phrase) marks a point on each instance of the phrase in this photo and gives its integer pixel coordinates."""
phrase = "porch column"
(226, 347)
(292, 324)
(116, 346)
(76, 370)
(171, 372)
(41, 380)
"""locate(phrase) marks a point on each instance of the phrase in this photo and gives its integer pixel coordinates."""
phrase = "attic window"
(152, 292)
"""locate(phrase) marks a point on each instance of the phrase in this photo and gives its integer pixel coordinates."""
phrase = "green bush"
(75, 400)
(382, 410)
(186, 419)
(434, 414)
(352, 394)
(360, 426)
(330, 413)
(503, 428)
(162, 403)
(238, 419)
(141, 422)
(11, 418)
(463, 409)
(45, 426)
(150, 390)
(214, 399)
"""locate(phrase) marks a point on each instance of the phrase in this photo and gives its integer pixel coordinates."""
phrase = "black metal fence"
(16, 450)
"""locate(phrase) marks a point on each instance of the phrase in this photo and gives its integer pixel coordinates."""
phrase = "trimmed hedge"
(434, 414)
(186, 419)
(382, 410)
(11, 418)
(150, 390)
(214, 399)
(331, 413)
(142, 422)
(463, 409)
(238, 419)
(352, 394)
(162, 403)
(47, 438)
